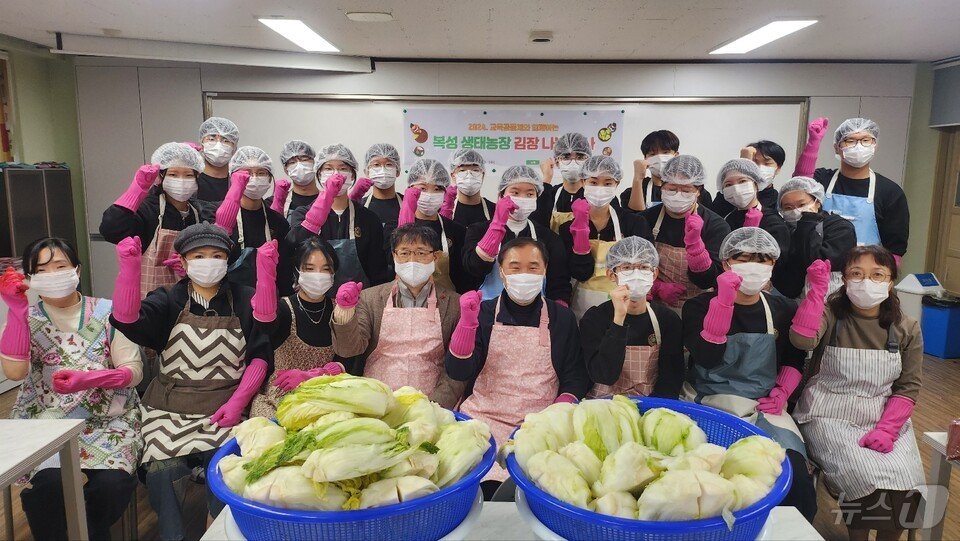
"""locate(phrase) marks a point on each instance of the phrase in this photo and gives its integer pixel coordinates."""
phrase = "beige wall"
(921, 168)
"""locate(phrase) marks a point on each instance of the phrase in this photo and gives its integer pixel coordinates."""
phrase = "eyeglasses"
(678, 189)
(407, 255)
(567, 159)
(875, 276)
(852, 142)
(634, 266)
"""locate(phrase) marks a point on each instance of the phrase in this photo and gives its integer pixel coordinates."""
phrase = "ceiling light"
(299, 33)
(762, 36)
(370, 16)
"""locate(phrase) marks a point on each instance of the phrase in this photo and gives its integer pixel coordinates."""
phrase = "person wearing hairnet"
(219, 138)
(355, 232)
(596, 226)
(160, 202)
(769, 158)
(519, 189)
(687, 234)
(518, 352)
(631, 346)
(468, 169)
(297, 158)
(865, 380)
(815, 234)
(875, 204)
(382, 166)
(554, 205)
(657, 147)
(740, 352)
(213, 359)
(739, 182)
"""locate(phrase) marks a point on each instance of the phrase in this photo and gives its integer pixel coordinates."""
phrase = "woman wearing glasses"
(865, 380)
(875, 204)
(402, 328)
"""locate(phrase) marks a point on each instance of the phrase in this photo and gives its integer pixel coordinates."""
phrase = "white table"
(501, 521)
(939, 475)
(26, 444)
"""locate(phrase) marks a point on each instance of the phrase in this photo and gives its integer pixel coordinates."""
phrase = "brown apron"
(441, 273)
(640, 368)
(673, 266)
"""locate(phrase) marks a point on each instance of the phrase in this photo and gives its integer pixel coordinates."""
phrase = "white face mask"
(315, 284)
(740, 195)
(599, 196)
(217, 153)
(257, 186)
(180, 189)
(429, 202)
(206, 272)
(324, 175)
(793, 216)
(383, 177)
(525, 207)
(767, 172)
(55, 285)
(468, 182)
(867, 294)
(301, 173)
(415, 274)
(638, 280)
(755, 276)
(859, 155)
(570, 172)
(655, 163)
(523, 288)
(678, 202)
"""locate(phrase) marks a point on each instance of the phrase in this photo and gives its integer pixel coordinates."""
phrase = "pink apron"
(517, 378)
(673, 266)
(410, 346)
(153, 272)
(640, 367)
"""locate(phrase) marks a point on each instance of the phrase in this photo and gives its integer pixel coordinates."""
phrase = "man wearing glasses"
(402, 328)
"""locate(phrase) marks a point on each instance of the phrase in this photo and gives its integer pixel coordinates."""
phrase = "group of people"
(225, 300)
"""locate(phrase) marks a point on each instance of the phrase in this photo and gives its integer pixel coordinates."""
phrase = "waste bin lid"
(945, 301)
(920, 283)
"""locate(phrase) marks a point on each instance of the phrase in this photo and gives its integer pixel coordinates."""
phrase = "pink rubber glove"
(360, 188)
(264, 300)
(465, 335)
(349, 294)
(490, 243)
(15, 341)
(175, 264)
(126, 291)
(449, 198)
(667, 292)
(288, 380)
(562, 303)
(408, 211)
(753, 217)
(787, 381)
(806, 322)
(145, 178)
(195, 146)
(566, 397)
(580, 227)
(698, 259)
(320, 209)
(280, 190)
(230, 413)
(896, 412)
(73, 381)
(230, 207)
(807, 162)
(716, 324)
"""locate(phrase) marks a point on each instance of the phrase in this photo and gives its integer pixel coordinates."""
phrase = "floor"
(939, 403)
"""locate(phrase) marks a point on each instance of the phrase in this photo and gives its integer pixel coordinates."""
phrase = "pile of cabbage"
(603, 455)
(346, 442)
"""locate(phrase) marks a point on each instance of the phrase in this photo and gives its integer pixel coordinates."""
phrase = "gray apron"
(350, 268)
(244, 269)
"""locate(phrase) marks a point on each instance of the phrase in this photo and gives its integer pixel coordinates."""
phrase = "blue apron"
(492, 285)
(859, 210)
(747, 372)
(350, 268)
(244, 269)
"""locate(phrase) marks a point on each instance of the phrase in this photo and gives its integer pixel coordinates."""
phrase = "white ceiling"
(498, 29)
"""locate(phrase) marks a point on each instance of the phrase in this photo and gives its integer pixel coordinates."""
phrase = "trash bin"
(941, 326)
(911, 290)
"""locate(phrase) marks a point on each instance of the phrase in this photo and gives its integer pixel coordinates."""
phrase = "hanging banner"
(506, 137)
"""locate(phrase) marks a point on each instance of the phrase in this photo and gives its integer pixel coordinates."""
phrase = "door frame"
(946, 181)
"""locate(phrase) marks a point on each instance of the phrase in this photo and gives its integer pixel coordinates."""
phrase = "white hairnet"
(749, 240)
(636, 250)
(295, 148)
(466, 156)
(803, 184)
(683, 169)
(520, 173)
(601, 165)
(216, 125)
(745, 167)
(382, 150)
(177, 155)
(853, 125)
(334, 152)
(248, 158)
(429, 171)
(572, 142)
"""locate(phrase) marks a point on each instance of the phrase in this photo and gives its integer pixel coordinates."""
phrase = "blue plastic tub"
(428, 518)
(941, 331)
(723, 429)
